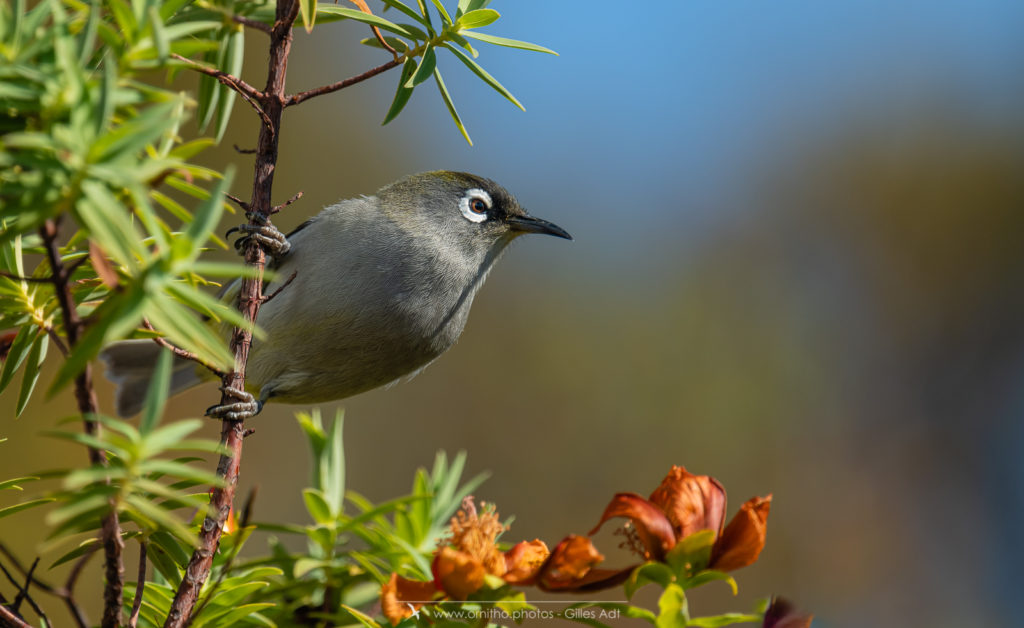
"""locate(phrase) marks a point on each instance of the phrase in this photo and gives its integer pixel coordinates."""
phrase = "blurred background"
(798, 268)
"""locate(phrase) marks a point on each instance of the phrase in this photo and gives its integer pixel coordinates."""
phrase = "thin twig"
(65, 592)
(245, 151)
(23, 591)
(278, 208)
(251, 23)
(10, 275)
(333, 87)
(238, 201)
(88, 406)
(140, 585)
(250, 299)
(178, 351)
(226, 567)
(10, 620)
(273, 294)
(249, 93)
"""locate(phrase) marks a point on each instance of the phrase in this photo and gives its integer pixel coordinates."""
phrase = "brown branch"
(251, 23)
(248, 93)
(85, 395)
(140, 585)
(23, 595)
(178, 351)
(273, 294)
(250, 299)
(278, 208)
(10, 620)
(238, 201)
(333, 87)
(245, 151)
(65, 593)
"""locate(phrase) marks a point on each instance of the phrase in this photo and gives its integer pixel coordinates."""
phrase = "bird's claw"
(247, 406)
(267, 235)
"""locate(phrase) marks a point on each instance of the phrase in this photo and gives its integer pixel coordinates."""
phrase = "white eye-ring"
(474, 205)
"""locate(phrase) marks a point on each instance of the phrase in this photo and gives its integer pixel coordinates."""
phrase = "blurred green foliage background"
(797, 268)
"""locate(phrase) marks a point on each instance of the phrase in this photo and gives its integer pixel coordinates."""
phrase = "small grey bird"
(383, 286)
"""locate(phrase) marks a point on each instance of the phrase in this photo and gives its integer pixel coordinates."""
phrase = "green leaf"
(476, 19)
(317, 506)
(234, 57)
(156, 394)
(361, 617)
(331, 479)
(450, 105)
(711, 575)
(672, 610)
(442, 12)
(365, 18)
(10, 510)
(208, 214)
(163, 519)
(691, 554)
(397, 4)
(31, 374)
(159, 34)
(508, 43)
(14, 483)
(424, 69)
(403, 93)
(129, 138)
(308, 10)
(85, 546)
(652, 572)
(483, 74)
(725, 619)
(19, 350)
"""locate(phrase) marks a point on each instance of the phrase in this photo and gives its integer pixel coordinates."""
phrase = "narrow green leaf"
(403, 93)
(397, 4)
(85, 546)
(483, 74)
(672, 608)
(10, 510)
(31, 374)
(442, 11)
(160, 517)
(476, 19)
(156, 394)
(208, 94)
(15, 483)
(234, 57)
(317, 506)
(308, 10)
(159, 34)
(365, 18)
(450, 105)
(425, 68)
(208, 214)
(107, 93)
(508, 43)
(19, 350)
(725, 619)
(361, 617)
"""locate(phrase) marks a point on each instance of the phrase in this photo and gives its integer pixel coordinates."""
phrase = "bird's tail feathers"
(130, 365)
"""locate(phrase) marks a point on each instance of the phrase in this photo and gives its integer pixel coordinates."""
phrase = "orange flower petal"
(743, 539)
(524, 560)
(782, 614)
(692, 502)
(457, 573)
(398, 593)
(652, 526)
(570, 561)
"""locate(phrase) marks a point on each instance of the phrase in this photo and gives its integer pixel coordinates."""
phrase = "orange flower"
(401, 597)
(685, 504)
(524, 560)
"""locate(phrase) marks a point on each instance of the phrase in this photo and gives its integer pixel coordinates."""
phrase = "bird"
(382, 287)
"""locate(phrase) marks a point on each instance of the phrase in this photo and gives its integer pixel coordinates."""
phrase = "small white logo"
(415, 613)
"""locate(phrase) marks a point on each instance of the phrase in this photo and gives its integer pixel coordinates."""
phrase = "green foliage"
(83, 136)
(421, 40)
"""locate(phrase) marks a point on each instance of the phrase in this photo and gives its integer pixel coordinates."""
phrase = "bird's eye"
(475, 204)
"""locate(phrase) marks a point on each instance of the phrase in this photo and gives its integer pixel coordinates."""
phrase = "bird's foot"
(267, 235)
(247, 406)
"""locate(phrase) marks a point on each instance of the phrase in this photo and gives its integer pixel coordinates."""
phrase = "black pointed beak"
(529, 224)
